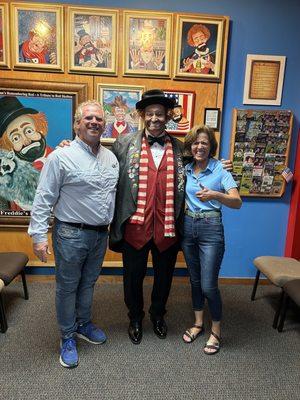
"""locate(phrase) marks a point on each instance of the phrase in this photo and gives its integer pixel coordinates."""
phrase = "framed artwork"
(37, 36)
(212, 118)
(264, 79)
(199, 43)
(29, 131)
(147, 46)
(260, 145)
(92, 40)
(4, 37)
(119, 106)
(183, 114)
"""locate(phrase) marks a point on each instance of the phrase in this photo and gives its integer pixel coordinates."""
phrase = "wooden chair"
(11, 265)
(279, 270)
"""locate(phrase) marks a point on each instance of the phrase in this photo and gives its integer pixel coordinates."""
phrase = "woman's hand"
(230, 199)
(206, 194)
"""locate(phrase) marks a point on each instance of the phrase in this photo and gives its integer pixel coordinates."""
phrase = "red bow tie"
(120, 123)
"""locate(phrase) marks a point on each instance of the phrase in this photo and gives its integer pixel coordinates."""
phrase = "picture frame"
(199, 47)
(37, 37)
(264, 79)
(92, 40)
(119, 107)
(147, 43)
(212, 118)
(183, 114)
(260, 147)
(37, 105)
(4, 37)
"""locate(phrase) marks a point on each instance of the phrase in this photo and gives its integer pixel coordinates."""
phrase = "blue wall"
(257, 27)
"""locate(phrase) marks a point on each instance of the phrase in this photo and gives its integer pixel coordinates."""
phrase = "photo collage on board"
(260, 151)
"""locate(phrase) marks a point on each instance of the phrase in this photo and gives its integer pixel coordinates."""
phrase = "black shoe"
(135, 332)
(160, 327)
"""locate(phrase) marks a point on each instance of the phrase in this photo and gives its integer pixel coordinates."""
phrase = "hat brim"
(13, 115)
(164, 101)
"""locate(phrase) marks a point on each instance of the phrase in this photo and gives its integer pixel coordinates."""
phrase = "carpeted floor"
(255, 361)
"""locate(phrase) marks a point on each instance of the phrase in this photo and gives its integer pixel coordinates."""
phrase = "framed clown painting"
(37, 36)
(199, 47)
(92, 40)
(147, 43)
(119, 107)
(29, 132)
(183, 113)
(4, 37)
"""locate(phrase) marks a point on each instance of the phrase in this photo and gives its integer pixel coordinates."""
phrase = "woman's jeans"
(79, 254)
(203, 247)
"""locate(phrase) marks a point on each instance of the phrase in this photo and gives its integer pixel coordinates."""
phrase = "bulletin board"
(260, 144)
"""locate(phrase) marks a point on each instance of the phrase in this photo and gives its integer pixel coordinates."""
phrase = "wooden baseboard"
(243, 281)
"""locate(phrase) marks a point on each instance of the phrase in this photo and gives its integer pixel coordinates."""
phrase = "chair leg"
(255, 285)
(24, 285)
(277, 313)
(286, 301)
(3, 321)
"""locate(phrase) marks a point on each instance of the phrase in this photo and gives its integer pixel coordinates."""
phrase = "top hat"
(10, 109)
(82, 33)
(155, 96)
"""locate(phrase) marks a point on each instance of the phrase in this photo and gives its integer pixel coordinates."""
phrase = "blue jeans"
(79, 254)
(203, 247)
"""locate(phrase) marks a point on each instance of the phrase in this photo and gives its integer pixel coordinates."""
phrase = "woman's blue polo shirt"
(214, 177)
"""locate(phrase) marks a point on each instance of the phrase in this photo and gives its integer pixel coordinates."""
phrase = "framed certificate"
(212, 118)
(264, 79)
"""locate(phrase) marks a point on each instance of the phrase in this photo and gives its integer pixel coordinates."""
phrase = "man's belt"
(203, 214)
(99, 228)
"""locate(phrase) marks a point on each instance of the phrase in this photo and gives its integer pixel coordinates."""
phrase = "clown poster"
(29, 131)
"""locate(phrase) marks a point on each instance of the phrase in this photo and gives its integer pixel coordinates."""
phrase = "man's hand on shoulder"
(227, 164)
(41, 250)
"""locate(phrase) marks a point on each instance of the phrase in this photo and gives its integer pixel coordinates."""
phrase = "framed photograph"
(260, 146)
(92, 40)
(183, 114)
(4, 37)
(29, 131)
(119, 105)
(264, 79)
(199, 43)
(212, 118)
(37, 36)
(147, 46)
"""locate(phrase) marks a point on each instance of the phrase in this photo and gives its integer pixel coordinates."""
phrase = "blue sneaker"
(68, 353)
(91, 333)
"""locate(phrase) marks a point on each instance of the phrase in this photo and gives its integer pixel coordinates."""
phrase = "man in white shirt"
(79, 183)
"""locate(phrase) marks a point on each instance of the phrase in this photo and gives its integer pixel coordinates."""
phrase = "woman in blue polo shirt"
(208, 187)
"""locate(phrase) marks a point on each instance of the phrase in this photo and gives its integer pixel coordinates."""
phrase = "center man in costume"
(149, 210)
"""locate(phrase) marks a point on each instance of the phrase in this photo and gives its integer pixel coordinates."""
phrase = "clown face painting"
(27, 125)
(37, 37)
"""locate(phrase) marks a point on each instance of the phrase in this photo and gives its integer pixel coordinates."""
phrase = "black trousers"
(135, 268)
